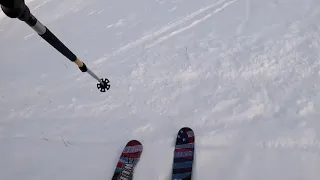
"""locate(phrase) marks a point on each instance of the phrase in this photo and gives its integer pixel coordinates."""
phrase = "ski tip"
(186, 128)
(188, 132)
(133, 143)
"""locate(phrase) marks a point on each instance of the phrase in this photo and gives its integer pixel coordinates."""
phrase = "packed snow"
(243, 74)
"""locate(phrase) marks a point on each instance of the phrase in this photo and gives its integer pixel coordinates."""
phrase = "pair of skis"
(182, 159)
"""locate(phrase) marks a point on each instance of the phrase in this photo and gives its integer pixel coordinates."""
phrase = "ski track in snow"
(194, 23)
(169, 27)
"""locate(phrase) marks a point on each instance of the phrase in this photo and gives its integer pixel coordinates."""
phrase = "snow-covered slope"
(244, 74)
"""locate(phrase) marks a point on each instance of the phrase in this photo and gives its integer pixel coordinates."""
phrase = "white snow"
(243, 74)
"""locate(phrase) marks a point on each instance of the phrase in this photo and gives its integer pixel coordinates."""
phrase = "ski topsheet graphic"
(129, 158)
(183, 155)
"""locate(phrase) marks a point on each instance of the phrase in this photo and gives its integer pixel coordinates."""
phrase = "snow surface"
(244, 74)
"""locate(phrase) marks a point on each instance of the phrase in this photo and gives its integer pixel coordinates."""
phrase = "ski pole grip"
(13, 8)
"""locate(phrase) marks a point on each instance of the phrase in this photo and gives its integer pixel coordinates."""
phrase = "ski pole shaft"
(18, 9)
(48, 36)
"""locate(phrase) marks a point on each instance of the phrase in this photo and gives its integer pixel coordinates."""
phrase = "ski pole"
(18, 9)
